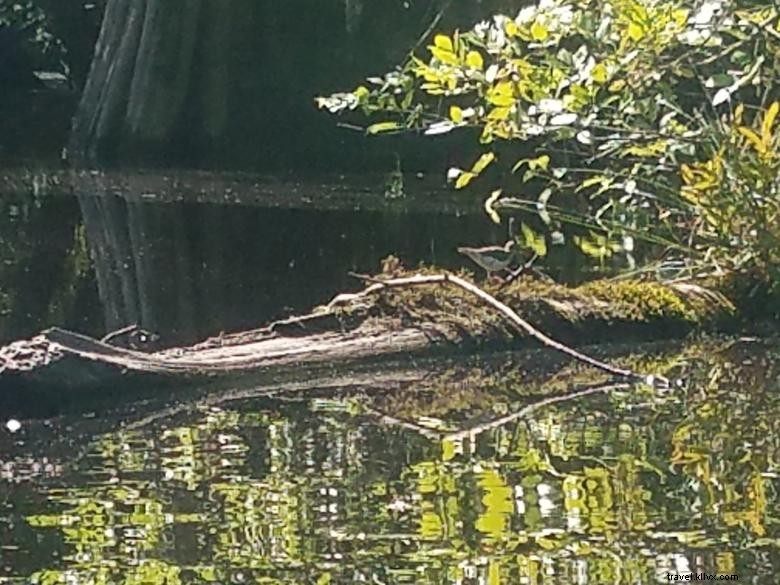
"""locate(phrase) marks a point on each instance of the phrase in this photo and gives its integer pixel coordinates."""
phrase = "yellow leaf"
(635, 31)
(597, 180)
(494, 573)
(687, 173)
(501, 95)
(617, 85)
(541, 162)
(483, 163)
(655, 148)
(766, 127)
(534, 241)
(539, 32)
(448, 450)
(691, 195)
(738, 111)
(474, 60)
(489, 206)
(464, 179)
(680, 16)
(752, 138)
(444, 55)
(599, 73)
(499, 114)
(361, 93)
(456, 114)
(444, 42)
(595, 247)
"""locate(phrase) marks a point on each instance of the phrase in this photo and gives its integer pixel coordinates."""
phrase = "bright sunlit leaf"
(539, 32)
(474, 60)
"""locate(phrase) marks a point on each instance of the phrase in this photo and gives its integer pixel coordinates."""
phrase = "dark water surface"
(131, 252)
(416, 473)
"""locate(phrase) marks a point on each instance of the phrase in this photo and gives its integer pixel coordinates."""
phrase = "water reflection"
(99, 261)
(617, 486)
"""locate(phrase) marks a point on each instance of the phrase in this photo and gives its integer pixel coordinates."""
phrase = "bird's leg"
(493, 277)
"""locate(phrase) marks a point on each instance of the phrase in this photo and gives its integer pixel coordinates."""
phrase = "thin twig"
(434, 23)
(385, 418)
(518, 322)
(527, 409)
(118, 333)
(475, 430)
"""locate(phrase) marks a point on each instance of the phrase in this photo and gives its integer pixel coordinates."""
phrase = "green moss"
(644, 301)
(637, 308)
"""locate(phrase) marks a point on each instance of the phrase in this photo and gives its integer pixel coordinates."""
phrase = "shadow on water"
(99, 261)
(435, 472)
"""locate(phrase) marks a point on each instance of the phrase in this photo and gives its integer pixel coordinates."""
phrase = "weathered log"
(378, 322)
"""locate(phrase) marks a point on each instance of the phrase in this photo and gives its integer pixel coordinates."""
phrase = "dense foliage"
(651, 120)
(48, 35)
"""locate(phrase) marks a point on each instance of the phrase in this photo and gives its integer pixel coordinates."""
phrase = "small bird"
(492, 258)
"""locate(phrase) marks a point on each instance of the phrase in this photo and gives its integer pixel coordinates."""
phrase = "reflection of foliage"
(612, 488)
(25, 15)
(57, 34)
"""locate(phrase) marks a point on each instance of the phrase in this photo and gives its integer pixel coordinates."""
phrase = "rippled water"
(421, 473)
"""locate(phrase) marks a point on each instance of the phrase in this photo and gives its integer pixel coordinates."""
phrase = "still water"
(103, 258)
(415, 473)
(504, 469)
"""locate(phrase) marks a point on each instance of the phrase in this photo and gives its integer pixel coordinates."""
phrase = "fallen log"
(398, 314)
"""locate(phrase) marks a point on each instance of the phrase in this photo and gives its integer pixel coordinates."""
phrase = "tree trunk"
(143, 78)
(233, 81)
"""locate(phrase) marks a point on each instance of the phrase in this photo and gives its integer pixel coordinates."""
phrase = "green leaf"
(382, 127)
(719, 80)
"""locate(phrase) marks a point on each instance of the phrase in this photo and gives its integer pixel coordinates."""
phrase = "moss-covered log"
(418, 320)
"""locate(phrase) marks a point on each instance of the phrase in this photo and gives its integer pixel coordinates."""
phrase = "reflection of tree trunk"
(111, 254)
(143, 265)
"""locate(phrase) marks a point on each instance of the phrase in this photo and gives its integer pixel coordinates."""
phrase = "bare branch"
(518, 322)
